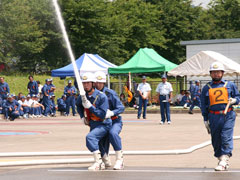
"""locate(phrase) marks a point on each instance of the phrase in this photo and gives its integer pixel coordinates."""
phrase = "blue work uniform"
(46, 99)
(32, 88)
(15, 109)
(191, 89)
(221, 125)
(70, 92)
(61, 105)
(98, 128)
(52, 107)
(164, 90)
(4, 90)
(51, 91)
(113, 137)
(185, 99)
(1, 105)
(26, 109)
(196, 97)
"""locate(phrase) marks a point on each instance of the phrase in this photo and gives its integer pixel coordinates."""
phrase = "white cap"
(88, 77)
(216, 66)
(100, 76)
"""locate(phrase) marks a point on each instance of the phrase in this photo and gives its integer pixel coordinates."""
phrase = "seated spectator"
(29, 103)
(53, 106)
(1, 106)
(19, 96)
(132, 103)
(123, 99)
(179, 97)
(186, 100)
(25, 109)
(37, 107)
(61, 103)
(11, 108)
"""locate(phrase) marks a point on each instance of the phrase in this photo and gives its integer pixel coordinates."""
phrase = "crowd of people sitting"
(39, 102)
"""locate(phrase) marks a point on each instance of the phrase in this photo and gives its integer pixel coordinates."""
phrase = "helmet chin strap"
(90, 89)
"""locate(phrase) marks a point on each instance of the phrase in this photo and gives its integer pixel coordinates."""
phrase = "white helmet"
(100, 76)
(216, 66)
(88, 77)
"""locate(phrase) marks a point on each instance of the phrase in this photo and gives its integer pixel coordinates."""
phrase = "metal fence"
(177, 86)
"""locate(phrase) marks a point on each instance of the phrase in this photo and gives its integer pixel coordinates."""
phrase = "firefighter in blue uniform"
(52, 87)
(4, 88)
(191, 88)
(195, 97)
(61, 102)
(11, 108)
(115, 109)
(95, 106)
(52, 106)
(32, 86)
(70, 92)
(214, 99)
(46, 97)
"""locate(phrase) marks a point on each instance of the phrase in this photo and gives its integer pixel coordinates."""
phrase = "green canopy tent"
(144, 61)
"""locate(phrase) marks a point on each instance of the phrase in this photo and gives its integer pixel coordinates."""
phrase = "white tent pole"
(130, 81)
(108, 76)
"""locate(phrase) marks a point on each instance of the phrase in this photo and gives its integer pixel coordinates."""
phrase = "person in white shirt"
(29, 103)
(37, 108)
(164, 91)
(179, 98)
(144, 90)
(25, 109)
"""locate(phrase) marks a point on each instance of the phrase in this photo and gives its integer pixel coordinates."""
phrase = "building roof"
(213, 41)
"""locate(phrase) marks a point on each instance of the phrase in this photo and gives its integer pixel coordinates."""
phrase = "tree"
(114, 30)
(225, 19)
(28, 35)
(182, 22)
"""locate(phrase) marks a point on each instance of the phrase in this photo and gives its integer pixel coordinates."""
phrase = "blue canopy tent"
(85, 63)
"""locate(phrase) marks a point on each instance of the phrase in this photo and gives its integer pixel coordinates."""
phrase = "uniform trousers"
(112, 137)
(164, 108)
(222, 132)
(98, 129)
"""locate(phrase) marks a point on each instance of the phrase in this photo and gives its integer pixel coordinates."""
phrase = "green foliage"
(18, 83)
(28, 34)
(225, 19)
(31, 41)
(182, 22)
(114, 30)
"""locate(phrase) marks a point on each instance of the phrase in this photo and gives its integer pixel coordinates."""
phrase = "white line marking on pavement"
(147, 171)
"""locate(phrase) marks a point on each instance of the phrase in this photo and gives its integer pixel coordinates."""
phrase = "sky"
(204, 3)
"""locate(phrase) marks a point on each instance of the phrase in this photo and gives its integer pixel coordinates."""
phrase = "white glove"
(109, 114)
(85, 121)
(86, 104)
(207, 126)
(84, 98)
(232, 100)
